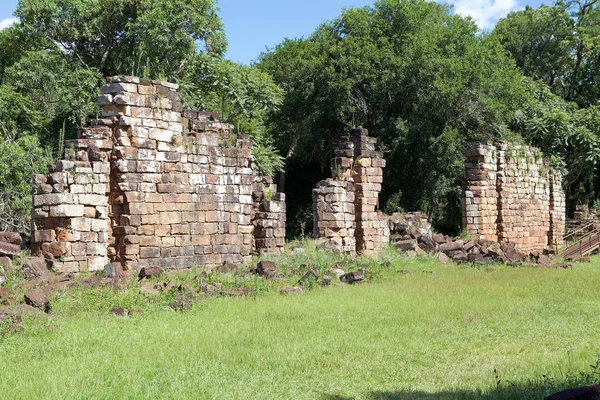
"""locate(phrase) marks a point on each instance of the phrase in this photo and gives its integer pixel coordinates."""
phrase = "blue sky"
(253, 26)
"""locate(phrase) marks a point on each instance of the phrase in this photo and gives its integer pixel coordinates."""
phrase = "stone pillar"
(512, 195)
(345, 206)
(269, 217)
(480, 195)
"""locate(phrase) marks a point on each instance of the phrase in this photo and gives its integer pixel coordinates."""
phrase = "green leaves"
(150, 38)
(417, 76)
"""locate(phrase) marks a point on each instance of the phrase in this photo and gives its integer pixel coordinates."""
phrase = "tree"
(557, 45)
(152, 38)
(242, 95)
(417, 76)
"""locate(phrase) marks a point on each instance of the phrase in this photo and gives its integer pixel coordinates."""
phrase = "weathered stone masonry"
(150, 184)
(345, 214)
(512, 195)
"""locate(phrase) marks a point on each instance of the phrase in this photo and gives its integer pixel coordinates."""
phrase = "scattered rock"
(404, 271)
(386, 264)
(94, 281)
(2, 279)
(406, 245)
(149, 272)
(237, 292)
(149, 290)
(135, 310)
(352, 277)
(7, 249)
(112, 270)
(326, 281)
(58, 286)
(35, 268)
(6, 263)
(226, 268)
(443, 257)
(37, 298)
(118, 311)
(338, 272)
(11, 238)
(6, 293)
(291, 290)
(427, 272)
(267, 269)
(543, 259)
(451, 246)
(311, 274)
(582, 393)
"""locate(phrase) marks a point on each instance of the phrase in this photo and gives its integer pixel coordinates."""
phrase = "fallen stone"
(406, 245)
(581, 393)
(428, 272)
(226, 268)
(2, 279)
(479, 259)
(58, 286)
(149, 291)
(118, 311)
(6, 293)
(386, 264)
(135, 310)
(7, 249)
(37, 298)
(35, 268)
(338, 272)
(427, 243)
(443, 258)
(291, 290)
(310, 275)
(207, 287)
(6, 263)
(112, 270)
(11, 237)
(265, 268)
(544, 259)
(237, 292)
(404, 271)
(438, 238)
(9, 316)
(149, 272)
(460, 257)
(452, 246)
(326, 281)
(93, 282)
(165, 287)
(352, 277)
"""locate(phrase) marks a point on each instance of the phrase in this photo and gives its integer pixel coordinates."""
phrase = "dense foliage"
(426, 82)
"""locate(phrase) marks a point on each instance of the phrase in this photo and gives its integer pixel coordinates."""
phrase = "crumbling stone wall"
(150, 185)
(345, 206)
(512, 195)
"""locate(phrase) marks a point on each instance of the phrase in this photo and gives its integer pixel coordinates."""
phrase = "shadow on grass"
(510, 391)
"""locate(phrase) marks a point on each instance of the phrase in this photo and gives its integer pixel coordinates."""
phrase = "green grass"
(401, 336)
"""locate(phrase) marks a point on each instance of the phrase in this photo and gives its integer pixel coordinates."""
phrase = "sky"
(254, 26)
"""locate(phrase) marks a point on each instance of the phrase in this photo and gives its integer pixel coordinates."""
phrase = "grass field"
(402, 336)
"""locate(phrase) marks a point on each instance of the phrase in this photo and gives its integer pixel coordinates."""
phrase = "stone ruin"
(345, 215)
(151, 184)
(512, 195)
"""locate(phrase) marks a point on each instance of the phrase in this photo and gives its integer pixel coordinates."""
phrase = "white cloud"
(485, 12)
(6, 22)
